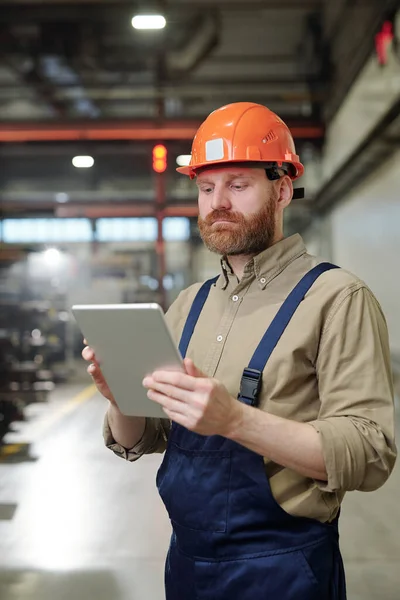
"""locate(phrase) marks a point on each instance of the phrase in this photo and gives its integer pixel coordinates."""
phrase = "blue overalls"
(231, 539)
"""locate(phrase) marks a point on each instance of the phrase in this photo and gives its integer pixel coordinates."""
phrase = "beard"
(242, 235)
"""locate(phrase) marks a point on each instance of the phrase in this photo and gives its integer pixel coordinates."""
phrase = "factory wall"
(362, 234)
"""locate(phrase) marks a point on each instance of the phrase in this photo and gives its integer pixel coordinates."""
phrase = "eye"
(239, 187)
(206, 189)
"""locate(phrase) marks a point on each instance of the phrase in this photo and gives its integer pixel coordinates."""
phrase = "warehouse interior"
(95, 117)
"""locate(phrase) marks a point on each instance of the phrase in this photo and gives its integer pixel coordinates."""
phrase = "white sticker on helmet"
(215, 149)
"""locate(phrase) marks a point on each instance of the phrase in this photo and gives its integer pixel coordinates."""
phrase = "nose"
(220, 199)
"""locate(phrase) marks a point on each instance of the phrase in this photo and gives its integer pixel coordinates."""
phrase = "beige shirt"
(331, 368)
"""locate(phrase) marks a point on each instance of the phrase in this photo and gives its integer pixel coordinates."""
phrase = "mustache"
(222, 215)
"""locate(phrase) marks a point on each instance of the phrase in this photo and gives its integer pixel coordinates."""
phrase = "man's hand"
(195, 401)
(205, 406)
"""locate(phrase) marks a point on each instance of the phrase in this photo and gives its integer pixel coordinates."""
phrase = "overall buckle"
(250, 385)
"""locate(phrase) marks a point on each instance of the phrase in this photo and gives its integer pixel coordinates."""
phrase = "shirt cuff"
(343, 453)
(154, 439)
(129, 454)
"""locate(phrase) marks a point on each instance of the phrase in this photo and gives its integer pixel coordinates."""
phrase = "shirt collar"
(268, 264)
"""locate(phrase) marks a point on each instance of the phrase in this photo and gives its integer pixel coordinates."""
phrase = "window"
(126, 230)
(46, 230)
(176, 229)
(57, 230)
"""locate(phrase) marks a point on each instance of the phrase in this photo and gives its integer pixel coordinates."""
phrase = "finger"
(92, 369)
(177, 417)
(171, 391)
(96, 374)
(166, 402)
(175, 378)
(99, 381)
(88, 353)
(191, 368)
(85, 341)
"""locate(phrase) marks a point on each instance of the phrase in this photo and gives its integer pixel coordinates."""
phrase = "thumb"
(191, 368)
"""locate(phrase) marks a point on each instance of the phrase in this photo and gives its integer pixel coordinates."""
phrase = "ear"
(285, 192)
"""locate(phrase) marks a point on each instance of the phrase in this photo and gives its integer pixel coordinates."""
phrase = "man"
(287, 400)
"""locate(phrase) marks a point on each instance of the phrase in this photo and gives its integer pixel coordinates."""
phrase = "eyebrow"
(230, 177)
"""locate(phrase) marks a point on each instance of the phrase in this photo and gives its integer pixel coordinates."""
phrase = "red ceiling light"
(382, 41)
(159, 158)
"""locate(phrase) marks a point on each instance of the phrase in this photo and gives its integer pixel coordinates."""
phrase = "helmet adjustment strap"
(273, 175)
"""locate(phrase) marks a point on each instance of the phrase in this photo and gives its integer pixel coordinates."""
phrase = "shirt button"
(219, 338)
(263, 280)
(235, 298)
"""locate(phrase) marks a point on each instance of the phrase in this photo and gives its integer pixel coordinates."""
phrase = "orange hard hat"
(243, 132)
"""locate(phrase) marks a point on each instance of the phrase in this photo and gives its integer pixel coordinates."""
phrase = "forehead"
(211, 174)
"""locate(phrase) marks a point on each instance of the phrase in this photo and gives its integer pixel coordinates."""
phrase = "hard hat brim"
(190, 170)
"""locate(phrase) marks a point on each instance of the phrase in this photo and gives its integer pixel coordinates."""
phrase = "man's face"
(237, 210)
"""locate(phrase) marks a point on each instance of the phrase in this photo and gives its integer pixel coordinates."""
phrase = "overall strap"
(194, 314)
(252, 376)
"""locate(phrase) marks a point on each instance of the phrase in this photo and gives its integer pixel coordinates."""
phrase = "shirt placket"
(217, 347)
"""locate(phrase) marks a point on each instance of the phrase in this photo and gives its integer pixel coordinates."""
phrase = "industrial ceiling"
(76, 77)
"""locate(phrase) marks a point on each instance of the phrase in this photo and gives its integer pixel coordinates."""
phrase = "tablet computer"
(130, 341)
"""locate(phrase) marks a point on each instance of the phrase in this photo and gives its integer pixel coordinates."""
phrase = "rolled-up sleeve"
(356, 418)
(154, 440)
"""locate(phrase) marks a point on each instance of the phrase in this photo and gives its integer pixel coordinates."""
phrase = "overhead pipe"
(219, 4)
(139, 131)
(200, 43)
(125, 210)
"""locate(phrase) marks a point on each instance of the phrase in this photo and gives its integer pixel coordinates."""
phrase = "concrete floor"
(76, 522)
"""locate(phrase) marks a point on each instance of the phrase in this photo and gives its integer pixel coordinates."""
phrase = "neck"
(239, 261)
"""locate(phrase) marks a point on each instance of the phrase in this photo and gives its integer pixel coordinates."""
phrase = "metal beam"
(352, 23)
(124, 210)
(203, 39)
(42, 78)
(265, 92)
(241, 5)
(365, 159)
(94, 210)
(252, 59)
(76, 210)
(129, 130)
(79, 131)
(33, 79)
(197, 83)
(247, 5)
(109, 11)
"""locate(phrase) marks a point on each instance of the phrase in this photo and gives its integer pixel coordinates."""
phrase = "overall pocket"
(283, 576)
(194, 486)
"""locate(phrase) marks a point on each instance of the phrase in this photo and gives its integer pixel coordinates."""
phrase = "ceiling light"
(52, 257)
(61, 197)
(183, 160)
(83, 162)
(148, 22)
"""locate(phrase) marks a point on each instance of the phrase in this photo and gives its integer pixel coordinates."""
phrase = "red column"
(160, 244)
